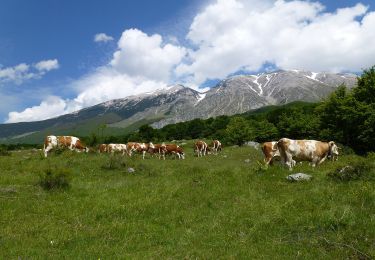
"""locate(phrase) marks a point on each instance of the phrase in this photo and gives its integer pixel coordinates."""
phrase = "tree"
(146, 133)
(348, 116)
(264, 131)
(238, 131)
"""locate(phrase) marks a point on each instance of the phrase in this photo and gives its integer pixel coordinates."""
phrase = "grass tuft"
(57, 178)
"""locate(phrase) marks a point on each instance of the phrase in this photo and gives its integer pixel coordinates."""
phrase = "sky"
(59, 56)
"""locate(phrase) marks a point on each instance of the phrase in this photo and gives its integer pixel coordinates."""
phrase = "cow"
(102, 148)
(172, 149)
(270, 150)
(139, 147)
(216, 146)
(117, 148)
(69, 142)
(201, 148)
(157, 149)
(312, 151)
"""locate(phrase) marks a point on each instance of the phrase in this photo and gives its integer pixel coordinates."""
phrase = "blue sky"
(64, 69)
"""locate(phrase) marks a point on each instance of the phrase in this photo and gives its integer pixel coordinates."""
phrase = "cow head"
(333, 149)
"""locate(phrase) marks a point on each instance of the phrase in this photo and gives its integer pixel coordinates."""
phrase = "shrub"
(358, 170)
(56, 178)
(4, 152)
(114, 162)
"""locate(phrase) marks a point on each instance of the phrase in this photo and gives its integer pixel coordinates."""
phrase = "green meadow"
(217, 207)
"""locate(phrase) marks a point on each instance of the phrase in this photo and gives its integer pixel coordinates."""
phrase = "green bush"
(56, 178)
(115, 161)
(358, 170)
(4, 152)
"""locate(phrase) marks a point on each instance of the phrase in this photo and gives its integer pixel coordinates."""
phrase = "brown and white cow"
(172, 149)
(139, 147)
(201, 148)
(69, 142)
(102, 148)
(157, 149)
(117, 148)
(312, 151)
(216, 146)
(270, 150)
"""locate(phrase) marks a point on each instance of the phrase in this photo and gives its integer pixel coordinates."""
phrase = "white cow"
(69, 142)
(312, 151)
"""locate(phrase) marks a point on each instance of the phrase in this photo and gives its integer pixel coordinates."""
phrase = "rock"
(256, 145)
(247, 160)
(299, 177)
(346, 169)
(225, 156)
(131, 170)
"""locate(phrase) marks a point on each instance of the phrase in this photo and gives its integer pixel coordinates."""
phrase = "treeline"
(346, 116)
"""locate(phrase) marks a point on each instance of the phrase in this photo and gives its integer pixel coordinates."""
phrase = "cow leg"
(46, 150)
(268, 160)
(322, 160)
(289, 161)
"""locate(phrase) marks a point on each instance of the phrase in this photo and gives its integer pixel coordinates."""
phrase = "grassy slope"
(213, 207)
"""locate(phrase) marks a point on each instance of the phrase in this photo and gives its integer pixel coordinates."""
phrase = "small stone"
(131, 170)
(299, 177)
(247, 160)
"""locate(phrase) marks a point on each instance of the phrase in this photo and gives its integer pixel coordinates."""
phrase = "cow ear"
(331, 143)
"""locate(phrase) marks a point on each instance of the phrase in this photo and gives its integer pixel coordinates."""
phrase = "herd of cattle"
(290, 151)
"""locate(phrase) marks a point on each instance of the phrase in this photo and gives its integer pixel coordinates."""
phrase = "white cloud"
(47, 65)
(230, 35)
(22, 72)
(51, 107)
(102, 37)
(106, 84)
(141, 55)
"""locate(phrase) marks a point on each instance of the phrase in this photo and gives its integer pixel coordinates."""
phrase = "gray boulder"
(299, 177)
(131, 170)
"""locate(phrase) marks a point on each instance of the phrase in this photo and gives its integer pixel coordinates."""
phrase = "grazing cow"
(216, 146)
(139, 147)
(313, 151)
(102, 148)
(270, 151)
(201, 148)
(157, 149)
(172, 149)
(117, 148)
(70, 142)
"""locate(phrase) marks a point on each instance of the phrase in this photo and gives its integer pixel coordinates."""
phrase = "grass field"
(213, 207)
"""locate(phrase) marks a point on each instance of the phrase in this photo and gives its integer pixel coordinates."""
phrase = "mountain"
(177, 103)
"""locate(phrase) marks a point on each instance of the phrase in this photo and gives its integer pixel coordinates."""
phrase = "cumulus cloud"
(232, 35)
(224, 37)
(141, 55)
(47, 65)
(52, 106)
(102, 37)
(22, 72)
